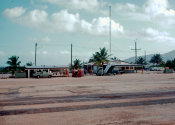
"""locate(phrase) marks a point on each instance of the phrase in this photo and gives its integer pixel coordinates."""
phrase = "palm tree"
(156, 59)
(77, 64)
(170, 64)
(100, 58)
(115, 58)
(29, 64)
(14, 63)
(141, 60)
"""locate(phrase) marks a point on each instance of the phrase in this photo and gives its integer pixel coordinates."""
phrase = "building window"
(127, 68)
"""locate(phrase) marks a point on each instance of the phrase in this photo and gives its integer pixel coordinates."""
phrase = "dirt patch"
(86, 107)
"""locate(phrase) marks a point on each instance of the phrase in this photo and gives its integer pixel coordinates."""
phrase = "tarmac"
(127, 99)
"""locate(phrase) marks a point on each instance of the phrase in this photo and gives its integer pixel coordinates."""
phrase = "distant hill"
(167, 56)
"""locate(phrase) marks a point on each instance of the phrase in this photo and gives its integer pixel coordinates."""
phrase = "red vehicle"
(78, 73)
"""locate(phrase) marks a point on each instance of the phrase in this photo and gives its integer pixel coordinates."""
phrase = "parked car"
(157, 69)
(117, 70)
(43, 74)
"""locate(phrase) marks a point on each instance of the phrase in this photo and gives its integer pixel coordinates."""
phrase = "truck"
(42, 74)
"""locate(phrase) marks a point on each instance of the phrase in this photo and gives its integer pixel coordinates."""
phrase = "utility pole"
(136, 53)
(145, 57)
(71, 55)
(35, 52)
(110, 30)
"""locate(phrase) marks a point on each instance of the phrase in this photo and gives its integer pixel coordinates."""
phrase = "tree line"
(157, 60)
(99, 58)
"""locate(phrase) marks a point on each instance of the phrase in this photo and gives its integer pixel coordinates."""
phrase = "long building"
(113, 64)
(56, 70)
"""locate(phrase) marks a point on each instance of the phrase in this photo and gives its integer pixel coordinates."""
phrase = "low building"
(90, 67)
(56, 70)
(125, 67)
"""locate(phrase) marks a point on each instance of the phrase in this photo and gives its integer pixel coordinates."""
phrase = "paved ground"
(129, 99)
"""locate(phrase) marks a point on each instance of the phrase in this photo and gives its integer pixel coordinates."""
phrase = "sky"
(55, 24)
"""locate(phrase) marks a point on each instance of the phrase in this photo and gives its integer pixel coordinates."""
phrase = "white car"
(43, 74)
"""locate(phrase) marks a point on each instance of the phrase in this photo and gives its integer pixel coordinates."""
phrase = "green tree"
(115, 58)
(77, 64)
(156, 59)
(13, 63)
(29, 64)
(100, 58)
(141, 60)
(170, 64)
(4, 69)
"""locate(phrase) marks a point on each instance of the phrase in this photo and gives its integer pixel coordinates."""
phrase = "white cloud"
(86, 26)
(156, 11)
(36, 16)
(155, 35)
(138, 16)
(151, 35)
(65, 21)
(35, 19)
(101, 26)
(152, 11)
(124, 7)
(158, 7)
(89, 5)
(153, 32)
(14, 12)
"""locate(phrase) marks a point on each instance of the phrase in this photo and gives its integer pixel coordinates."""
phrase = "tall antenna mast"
(110, 29)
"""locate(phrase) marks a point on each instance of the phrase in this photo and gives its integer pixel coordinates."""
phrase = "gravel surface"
(128, 99)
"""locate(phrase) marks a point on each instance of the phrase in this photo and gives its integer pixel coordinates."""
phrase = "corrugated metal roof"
(122, 63)
(46, 67)
(117, 63)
